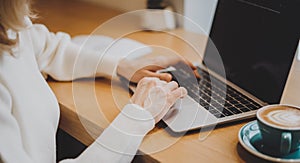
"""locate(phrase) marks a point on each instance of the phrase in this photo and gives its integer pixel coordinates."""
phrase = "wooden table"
(88, 105)
(97, 102)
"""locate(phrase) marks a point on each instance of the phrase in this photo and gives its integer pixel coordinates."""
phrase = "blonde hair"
(12, 13)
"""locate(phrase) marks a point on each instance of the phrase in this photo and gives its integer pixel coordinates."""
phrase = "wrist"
(134, 120)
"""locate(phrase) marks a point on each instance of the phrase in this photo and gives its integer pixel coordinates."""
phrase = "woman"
(29, 111)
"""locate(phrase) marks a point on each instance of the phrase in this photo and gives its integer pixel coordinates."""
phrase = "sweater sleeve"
(120, 141)
(10, 137)
(64, 60)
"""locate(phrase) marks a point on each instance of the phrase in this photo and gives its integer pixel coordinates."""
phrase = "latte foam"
(282, 116)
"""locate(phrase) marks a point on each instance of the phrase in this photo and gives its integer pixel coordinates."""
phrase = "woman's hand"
(135, 70)
(157, 96)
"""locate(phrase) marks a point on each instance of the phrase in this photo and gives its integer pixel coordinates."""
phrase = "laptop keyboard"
(217, 97)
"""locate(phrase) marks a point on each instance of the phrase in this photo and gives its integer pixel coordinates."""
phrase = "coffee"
(281, 116)
(279, 127)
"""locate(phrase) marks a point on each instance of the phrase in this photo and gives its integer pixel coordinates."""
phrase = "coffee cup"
(280, 128)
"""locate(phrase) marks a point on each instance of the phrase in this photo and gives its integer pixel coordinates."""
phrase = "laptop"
(245, 66)
(256, 41)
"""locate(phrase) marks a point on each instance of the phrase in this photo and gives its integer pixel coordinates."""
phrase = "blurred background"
(83, 16)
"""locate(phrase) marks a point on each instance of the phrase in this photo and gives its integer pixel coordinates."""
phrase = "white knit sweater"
(29, 111)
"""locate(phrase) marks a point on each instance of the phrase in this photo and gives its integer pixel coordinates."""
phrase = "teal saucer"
(250, 139)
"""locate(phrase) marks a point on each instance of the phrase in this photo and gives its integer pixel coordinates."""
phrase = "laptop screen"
(256, 40)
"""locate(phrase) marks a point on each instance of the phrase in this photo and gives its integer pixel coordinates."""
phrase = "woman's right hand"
(157, 96)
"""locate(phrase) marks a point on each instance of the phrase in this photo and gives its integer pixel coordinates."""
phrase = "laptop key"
(244, 101)
(251, 106)
(244, 109)
(234, 110)
(225, 111)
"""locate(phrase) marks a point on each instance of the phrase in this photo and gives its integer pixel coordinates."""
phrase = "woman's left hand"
(135, 70)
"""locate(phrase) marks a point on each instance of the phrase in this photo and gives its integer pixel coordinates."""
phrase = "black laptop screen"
(256, 40)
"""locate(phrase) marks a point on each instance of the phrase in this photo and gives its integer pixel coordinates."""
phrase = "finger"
(178, 93)
(171, 86)
(162, 76)
(154, 67)
(196, 74)
(165, 76)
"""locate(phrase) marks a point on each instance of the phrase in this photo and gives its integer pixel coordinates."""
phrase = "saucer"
(250, 139)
